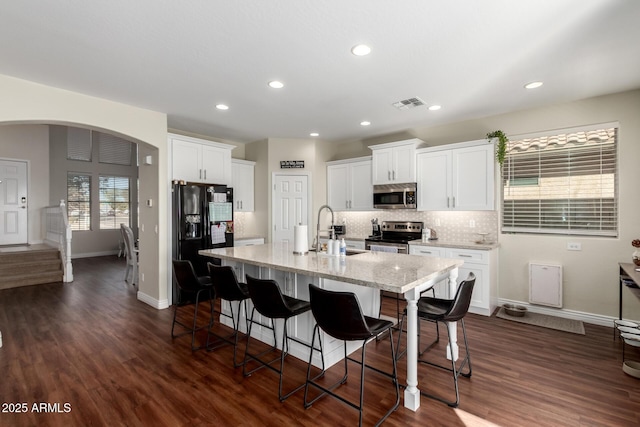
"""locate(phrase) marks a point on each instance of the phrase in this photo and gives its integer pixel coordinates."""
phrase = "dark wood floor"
(92, 345)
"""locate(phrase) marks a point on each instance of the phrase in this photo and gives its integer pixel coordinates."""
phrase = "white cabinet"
(242, 172)
(482, 263)
(349, 186)
(394, 162)
(198, 160)
(456, 177)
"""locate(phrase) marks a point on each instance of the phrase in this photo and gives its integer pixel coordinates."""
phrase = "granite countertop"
(387, 271)
(457, 245)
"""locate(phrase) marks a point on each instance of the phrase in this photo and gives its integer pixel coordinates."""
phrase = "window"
(114, 201)
(79, 201)
(564, 183)
(113, 150)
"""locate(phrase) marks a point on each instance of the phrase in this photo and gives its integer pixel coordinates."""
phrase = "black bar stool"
(191, 290)
(269, 301)
(446, 310)
(228, 288)
(339, 315)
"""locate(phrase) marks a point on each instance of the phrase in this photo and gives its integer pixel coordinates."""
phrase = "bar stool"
(190, 286)
(228, 288)
(269, 301)
(339, 315)
(446, 310)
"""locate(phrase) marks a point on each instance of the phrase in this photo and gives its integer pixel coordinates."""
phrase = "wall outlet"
(472, 223)
(574, 246)
(437, 222)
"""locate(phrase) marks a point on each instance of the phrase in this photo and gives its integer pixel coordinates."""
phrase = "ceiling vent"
(409, 103)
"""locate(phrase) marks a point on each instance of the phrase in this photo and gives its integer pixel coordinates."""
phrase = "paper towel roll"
(300, 240)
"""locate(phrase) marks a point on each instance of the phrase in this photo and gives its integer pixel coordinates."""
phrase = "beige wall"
(590, 275)
(24, 102)
(30, 142)
(267, 154)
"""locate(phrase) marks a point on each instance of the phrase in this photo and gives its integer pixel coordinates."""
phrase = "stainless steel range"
(395, 236)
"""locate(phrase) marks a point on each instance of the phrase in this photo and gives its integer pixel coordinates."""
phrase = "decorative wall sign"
(291, 164)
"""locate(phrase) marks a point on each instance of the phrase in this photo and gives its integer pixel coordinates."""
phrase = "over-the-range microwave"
(395, 196)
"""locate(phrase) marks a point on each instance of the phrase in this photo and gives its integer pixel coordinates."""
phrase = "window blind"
(79, 201)
(114, 201)
(112, 149)
(78, 144)
(564, 183)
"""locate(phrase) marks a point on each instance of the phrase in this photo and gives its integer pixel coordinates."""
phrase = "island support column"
(412, 393)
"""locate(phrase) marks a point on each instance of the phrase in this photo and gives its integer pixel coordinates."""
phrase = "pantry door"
(290, 205)
(13, 202)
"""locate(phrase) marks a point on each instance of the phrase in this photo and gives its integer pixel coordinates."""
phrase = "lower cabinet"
(482, 263)
(301, 326)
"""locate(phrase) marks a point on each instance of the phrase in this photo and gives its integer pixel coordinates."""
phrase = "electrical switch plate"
(574, 246)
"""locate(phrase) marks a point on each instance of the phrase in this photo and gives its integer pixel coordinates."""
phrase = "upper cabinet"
(199, 160)
(394, 162)
(349, 186)
(242, 172)
(456, 177)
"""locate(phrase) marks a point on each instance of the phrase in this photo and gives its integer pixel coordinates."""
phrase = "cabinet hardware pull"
(465, 256)
(205, 174)
(394, 175)
(389, 175)
(454, 201)
(425, 252)
(200, 174)
(448, 201)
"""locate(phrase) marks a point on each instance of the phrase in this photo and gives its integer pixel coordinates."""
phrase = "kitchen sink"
(349, 252)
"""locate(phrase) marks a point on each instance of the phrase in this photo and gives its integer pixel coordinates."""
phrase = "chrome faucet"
(318, 225)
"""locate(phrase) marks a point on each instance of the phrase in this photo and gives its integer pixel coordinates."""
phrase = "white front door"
(290, 205)
(13, 202)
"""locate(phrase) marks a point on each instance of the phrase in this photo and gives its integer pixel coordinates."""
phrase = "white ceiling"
(184, 57)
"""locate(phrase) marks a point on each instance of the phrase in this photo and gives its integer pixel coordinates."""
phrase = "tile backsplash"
(458, 226)
(451, 226)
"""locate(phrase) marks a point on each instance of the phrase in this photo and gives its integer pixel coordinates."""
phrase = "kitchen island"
(365, 273)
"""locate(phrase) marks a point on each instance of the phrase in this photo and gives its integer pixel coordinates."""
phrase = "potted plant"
(501, 148)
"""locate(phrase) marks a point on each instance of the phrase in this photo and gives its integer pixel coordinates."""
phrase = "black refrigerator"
(202, 219)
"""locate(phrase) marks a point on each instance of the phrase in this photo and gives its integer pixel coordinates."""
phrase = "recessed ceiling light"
(365, 123)
(222, 107)
(276, 84)
(435, 107)
(314, 134)
(361, 50)
(533, 85)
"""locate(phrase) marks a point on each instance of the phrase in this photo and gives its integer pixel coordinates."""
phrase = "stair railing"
(58, 234)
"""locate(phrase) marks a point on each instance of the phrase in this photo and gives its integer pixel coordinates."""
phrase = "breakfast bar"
(364, 273)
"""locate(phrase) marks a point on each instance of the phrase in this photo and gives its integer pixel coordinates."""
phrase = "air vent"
(409, 103)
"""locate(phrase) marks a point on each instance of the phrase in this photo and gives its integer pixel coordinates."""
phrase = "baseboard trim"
(595, 319)
(155, 303)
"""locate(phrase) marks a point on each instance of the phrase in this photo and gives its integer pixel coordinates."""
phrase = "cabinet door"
(243, 184)
(360, 186)
(480, 297)
(473, 178)
(434, 180)
(338, 186)
(186, 161)
(382, 162)
(216, 165)
(441, 288)
(404, 164)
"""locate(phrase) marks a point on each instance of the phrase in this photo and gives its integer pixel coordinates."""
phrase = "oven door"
(376, 245)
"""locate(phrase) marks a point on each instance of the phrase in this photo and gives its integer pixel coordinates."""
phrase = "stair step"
(29, 279)
(33, 265)
(17, 268)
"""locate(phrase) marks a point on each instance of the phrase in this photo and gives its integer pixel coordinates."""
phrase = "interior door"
(13, 202)
(290, 205)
